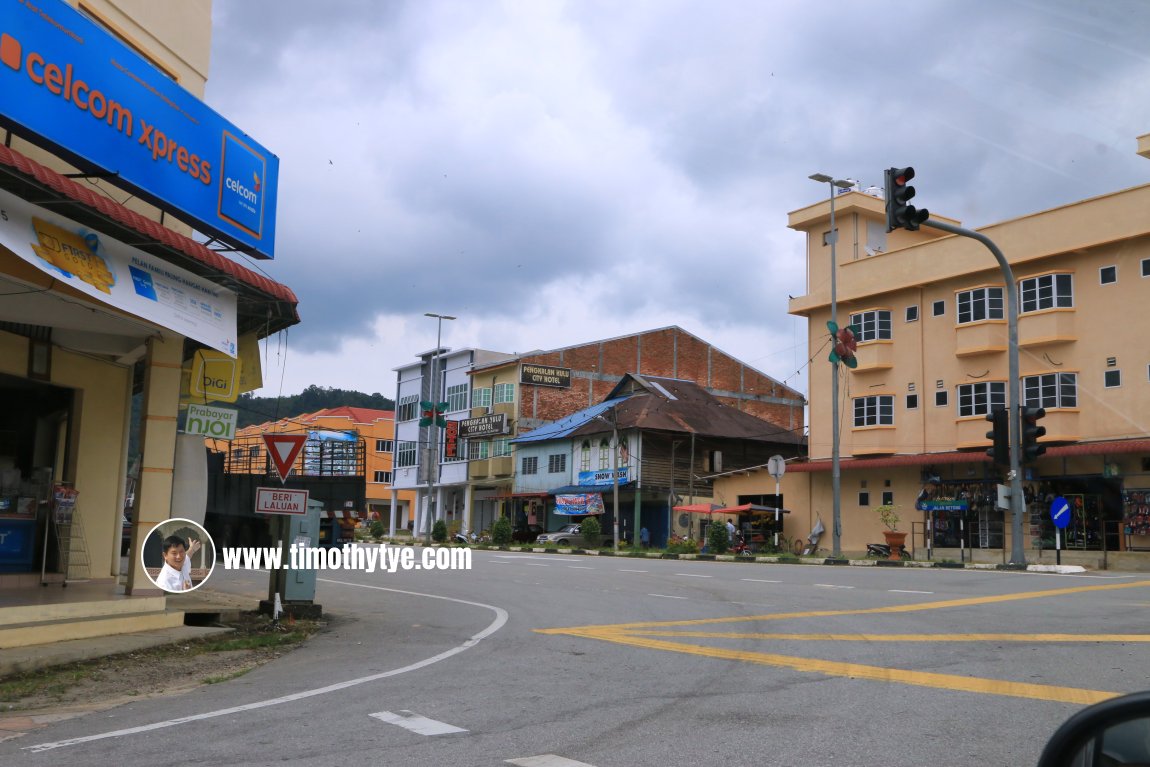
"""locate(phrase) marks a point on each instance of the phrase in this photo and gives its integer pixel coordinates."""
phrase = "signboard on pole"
(277, 500)
(777, 466)
(284, 449)
(214, 422)
(1060, 512)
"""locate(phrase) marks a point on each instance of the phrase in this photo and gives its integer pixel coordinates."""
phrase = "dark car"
(527, 533)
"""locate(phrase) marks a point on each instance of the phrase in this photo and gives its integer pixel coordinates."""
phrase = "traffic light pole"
(1014, 388)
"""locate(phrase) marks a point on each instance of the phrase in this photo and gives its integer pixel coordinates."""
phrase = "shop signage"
(579, 503)
(451, 439)
(484, 426)
(214, 376)
(214, 422)
(942, 505)
(119, 275)
(601, 477)
(73, 88)
(541, 375)
(277, 500)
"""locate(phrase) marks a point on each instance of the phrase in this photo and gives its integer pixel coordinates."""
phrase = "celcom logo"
(241, 184)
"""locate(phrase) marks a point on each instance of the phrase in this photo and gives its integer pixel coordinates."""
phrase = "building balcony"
(872, 440)
(502, 466)
(1055, 326)
(874, 355)
(971, 432)
(507, 408)
(485, 468)
(981, 338)
(479, 469)
(1062, 425)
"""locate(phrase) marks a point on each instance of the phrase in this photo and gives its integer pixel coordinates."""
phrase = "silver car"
(570, 534)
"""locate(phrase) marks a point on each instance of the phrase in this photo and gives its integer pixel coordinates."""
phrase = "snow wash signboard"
(71, 87)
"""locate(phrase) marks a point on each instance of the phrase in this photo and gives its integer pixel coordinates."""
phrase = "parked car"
(571, 534)
(527, 533)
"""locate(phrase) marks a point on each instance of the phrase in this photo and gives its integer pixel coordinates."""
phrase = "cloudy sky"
(559, 172)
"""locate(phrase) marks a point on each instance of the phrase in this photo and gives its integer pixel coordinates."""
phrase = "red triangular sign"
(284, 449)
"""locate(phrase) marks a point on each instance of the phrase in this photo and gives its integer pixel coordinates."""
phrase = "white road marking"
(420, 725)
(694, 575)
(579, 567)
(625, 570)
(908, 591)
(831, 586)
(665, 596)
(758, 580)
(498, 623)
(547, 760)
(535, 564)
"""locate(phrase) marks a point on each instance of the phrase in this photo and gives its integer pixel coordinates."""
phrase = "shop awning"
(751, 508)
(699, 508)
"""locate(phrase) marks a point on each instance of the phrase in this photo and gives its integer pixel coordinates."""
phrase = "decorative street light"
(432, 428)
(836, 479)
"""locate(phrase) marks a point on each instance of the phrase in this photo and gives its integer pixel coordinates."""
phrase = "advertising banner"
(601, 477)
(543, 375)
(579, 504)
(70, 86)
(214, 422)
(119, 275)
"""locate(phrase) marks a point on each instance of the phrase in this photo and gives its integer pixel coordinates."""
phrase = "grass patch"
(225, 677)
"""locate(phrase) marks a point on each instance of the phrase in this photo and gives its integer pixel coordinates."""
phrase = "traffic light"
(899, 213)
(999, 451)
(1031, 431)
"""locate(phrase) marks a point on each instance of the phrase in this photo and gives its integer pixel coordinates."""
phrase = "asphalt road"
(534, 659)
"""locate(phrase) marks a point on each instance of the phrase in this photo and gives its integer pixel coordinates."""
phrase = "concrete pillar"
(465, 525)
(394, 511)
(440, 507)
(153, 503)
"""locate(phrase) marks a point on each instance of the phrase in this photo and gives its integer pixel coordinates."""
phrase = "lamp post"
(614, 423)
(432, 429)
(836, 479)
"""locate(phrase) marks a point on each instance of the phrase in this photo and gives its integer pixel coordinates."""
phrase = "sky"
(553, 173)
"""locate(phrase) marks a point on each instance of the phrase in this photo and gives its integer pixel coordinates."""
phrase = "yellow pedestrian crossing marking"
(654, 635)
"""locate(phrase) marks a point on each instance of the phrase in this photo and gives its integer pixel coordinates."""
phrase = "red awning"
(699, 508)
(751, 508)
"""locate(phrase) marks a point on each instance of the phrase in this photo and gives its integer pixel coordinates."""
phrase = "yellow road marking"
(643, 635)
(898, 637)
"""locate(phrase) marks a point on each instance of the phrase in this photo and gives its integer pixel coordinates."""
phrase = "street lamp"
(433, 433)
(836, 479)
(614, 424)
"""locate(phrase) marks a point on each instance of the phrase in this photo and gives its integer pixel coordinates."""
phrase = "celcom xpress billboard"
(70, 86)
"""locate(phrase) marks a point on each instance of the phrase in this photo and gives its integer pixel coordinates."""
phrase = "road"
(556, 660)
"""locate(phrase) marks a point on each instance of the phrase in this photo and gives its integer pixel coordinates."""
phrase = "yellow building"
(932, 362)
(104, 301)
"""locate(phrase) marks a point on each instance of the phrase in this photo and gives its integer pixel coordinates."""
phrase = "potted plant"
(895, 539)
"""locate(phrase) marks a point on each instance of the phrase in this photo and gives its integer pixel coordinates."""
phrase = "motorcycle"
(882, 551)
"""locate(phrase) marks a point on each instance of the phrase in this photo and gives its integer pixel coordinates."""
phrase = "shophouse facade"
(932, 362)
(96, 308)
(519, 394)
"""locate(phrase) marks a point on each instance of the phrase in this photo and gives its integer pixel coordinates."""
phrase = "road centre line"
(908, 591)
(416, 723)
(500, 619)
(625, 570)
(665, 596)
(694, 575)
(579, 567)
(546, 760)
(536, 564)
(758, 580)
(831, 586)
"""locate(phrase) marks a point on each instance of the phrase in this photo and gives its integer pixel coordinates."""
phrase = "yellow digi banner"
(251, 372)
(214, 377)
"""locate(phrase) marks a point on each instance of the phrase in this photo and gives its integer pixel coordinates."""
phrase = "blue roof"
(565, 426)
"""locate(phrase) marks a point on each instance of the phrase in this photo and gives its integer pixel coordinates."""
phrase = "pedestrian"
(645, 537)
(731, 531)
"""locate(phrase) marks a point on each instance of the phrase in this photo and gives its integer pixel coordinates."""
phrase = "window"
(585, 456)
(501, 448)
(981, 398)
(888, 498)
(557, 464)
(938, 308)
(604, 454)
(408, 408)
(1050, 291)
(864, 498)
(940, 399)
(456, 398)
(874, 411)
(405, 454)
(383, 446)
(254, 451)
(1146, 267)
(1050, 390)
(481, 397)
(912, 402)
(873, 325)
(530, 464)
(478, 450)
(504, 392)
(383, 476)
(1112, 379)
(912, 314)
(1108, 275)
(979, 304)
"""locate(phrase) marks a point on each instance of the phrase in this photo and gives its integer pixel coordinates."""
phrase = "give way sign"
(284, 449)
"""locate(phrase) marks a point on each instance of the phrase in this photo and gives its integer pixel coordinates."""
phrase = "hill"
(253, 410)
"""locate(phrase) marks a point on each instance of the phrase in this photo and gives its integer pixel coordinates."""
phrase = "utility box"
(293, 583)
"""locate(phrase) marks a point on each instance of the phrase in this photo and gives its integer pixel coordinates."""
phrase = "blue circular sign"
(1060, 512)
